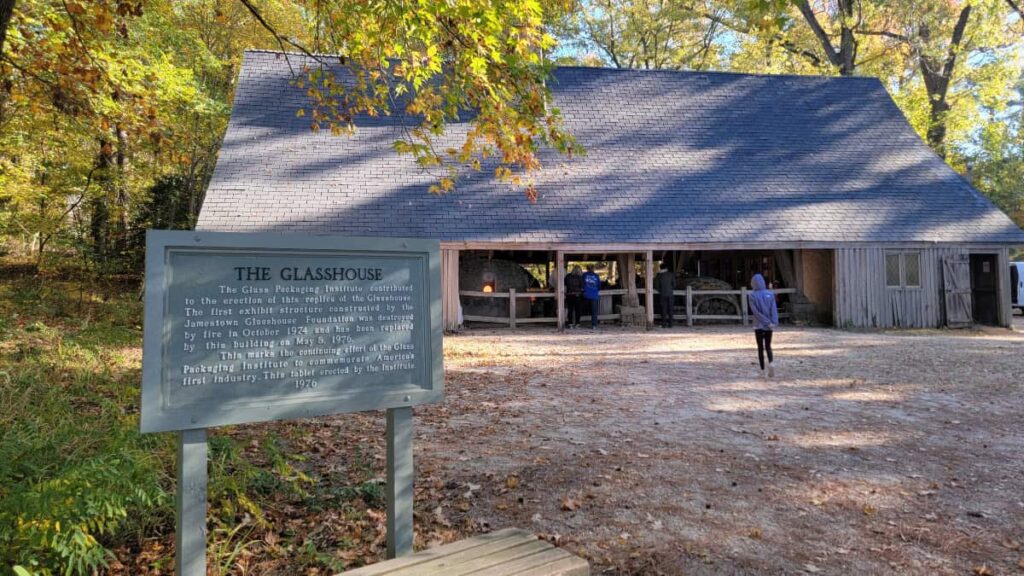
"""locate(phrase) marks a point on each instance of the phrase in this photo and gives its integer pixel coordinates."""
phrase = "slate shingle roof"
(672, 157)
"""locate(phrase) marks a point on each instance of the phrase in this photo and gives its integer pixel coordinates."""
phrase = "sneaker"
(771, 370)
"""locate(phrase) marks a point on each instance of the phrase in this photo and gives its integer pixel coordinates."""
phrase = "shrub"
(75, 475)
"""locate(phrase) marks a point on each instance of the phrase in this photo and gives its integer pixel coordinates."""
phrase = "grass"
(76, 479)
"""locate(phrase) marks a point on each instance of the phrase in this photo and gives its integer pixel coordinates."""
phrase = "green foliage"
(651, 34)
(77, 480)
(75, 475)
(431, 62)
(102, 104)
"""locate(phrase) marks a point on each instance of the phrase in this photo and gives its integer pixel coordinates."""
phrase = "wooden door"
(956, 281)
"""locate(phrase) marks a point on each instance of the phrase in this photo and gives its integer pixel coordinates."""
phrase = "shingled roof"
(672, 157)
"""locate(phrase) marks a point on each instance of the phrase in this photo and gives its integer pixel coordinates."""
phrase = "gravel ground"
(665, 452)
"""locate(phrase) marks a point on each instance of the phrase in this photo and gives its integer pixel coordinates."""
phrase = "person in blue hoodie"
(592, 293)
(766, 318)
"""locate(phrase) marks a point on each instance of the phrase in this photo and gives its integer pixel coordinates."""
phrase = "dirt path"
(665, 452)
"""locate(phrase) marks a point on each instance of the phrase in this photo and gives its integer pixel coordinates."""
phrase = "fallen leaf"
(1011, 544)
(512, 482)
(869, 510)
(983, 570)
(440, 518)
(569, 504)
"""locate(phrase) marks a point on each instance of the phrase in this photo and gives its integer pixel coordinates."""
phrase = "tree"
(92, 110)
(433, 62)
(996, 164)
(651, 34)
(6, 11)
(842, 55)
(947, 40)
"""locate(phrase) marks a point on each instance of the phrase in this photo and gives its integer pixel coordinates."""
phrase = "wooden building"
(818, 182)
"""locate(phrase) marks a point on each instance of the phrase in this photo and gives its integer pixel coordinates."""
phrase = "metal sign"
(255, 327)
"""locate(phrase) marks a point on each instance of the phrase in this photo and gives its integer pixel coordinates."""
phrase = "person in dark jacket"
(665, 284)
(573, 292)
(766, 318)
(592, 294)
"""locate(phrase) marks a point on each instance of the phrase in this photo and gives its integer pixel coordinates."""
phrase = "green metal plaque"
(255, 327)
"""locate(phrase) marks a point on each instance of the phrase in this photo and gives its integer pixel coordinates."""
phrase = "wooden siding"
(450, 288)
(1005, 304)
(864, 301)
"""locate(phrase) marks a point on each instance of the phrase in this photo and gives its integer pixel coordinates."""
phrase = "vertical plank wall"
(450, 288)
(1005, 304)
(864, 301)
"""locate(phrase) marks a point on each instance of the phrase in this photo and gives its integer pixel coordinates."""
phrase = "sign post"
(400, 482)
(190, 538)
(257, 327)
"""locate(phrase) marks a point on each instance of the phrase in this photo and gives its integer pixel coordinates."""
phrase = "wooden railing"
(512, 295)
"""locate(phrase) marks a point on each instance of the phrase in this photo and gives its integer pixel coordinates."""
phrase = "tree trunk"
(936, 136)
(847, 53)
(845, 57)
(6, 11)
(936, 77)
(99, 222)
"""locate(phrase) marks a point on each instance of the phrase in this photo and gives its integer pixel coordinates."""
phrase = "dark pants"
(572, 308)
(595, 306)
(666, 302)
(764, 344)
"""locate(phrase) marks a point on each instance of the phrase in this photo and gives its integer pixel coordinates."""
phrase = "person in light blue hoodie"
(766, 318)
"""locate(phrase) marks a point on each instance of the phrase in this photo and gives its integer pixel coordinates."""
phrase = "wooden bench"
(503, 553)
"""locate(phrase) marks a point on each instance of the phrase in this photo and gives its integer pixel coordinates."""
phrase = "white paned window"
(912, 269)
(903, 269)
(892, 269)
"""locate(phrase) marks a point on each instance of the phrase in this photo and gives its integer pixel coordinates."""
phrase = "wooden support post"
(450, 288)
(743, 305)
(689, 305)
(399, 479)
(190, 538)
(631, 295)
(784, 262)
(511, 307)
(560, 288)
(798, 270)
(649, 288)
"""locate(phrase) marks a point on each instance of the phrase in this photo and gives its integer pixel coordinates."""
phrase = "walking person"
(592, 294)
(766, 318)
(573, 293)
(665, 283)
